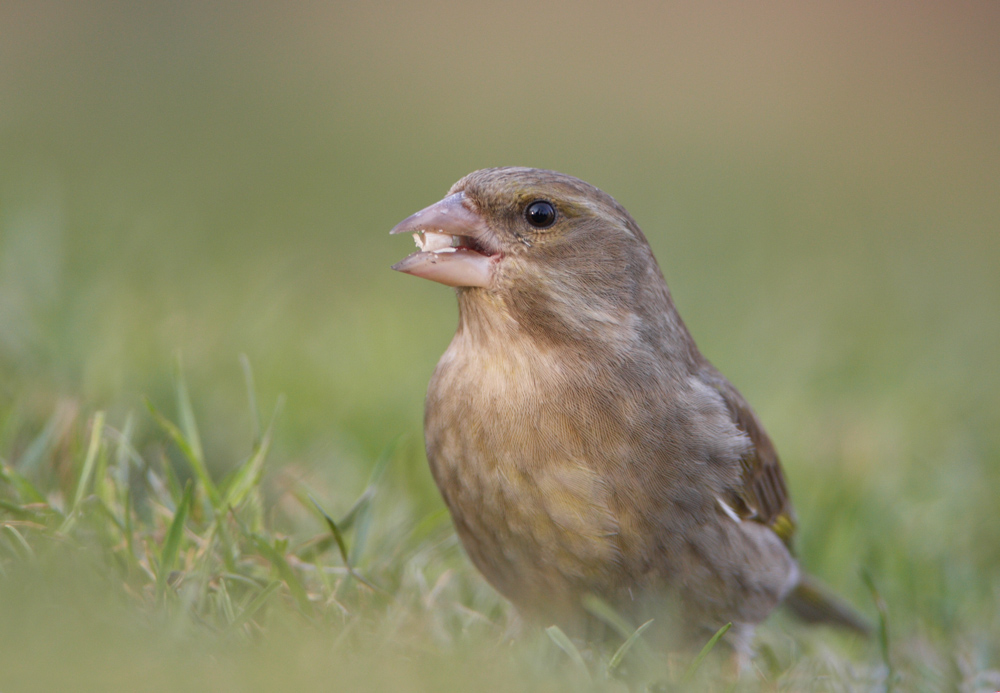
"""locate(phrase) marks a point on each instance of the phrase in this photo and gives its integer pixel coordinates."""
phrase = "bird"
(585, 448)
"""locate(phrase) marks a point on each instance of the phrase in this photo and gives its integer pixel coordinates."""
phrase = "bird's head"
(541, 247)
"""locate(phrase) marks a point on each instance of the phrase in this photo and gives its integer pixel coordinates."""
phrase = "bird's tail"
(814, 603)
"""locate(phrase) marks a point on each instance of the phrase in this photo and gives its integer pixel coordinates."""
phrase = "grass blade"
(563, 642)
(619, 655)
(19, 541)
(883, 629)
(170, 490)
(362, 530)
(186, 413)
(26, 491)
(128, 530)
(244, 479)
(88, 469)
(254, 606)
(285, 571)
(345, 555)
(172, 544)
(122, 459)
(359, 505)
(335, 531)
(222, 595)
(44, 441)
(693, 669)
(88, 464)
(605, 612)
(190, 454)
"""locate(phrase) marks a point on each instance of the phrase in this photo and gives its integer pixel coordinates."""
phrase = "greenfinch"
(583, 445)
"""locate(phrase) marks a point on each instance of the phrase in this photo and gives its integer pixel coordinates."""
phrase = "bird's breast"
(523, 451)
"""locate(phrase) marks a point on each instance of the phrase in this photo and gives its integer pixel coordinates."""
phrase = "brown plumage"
(582, 443)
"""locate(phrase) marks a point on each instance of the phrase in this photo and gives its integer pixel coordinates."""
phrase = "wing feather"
(762, 495)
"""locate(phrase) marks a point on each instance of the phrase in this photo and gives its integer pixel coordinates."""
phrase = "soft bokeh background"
(820, 182)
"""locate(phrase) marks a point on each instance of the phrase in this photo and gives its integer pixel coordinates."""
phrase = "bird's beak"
(457, 247)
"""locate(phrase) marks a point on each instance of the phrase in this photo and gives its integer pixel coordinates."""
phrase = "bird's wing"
(762, 495)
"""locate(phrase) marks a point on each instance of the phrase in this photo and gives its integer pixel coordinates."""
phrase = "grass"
(173, 557)
(148, 573)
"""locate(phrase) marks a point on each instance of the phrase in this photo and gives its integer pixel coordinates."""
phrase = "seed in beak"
(436, 242)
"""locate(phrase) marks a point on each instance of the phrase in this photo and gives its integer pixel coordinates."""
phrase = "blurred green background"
(820, 183)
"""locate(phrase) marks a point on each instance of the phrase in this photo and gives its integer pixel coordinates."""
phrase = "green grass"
(187, 180)
(154, 558)
(129, 563)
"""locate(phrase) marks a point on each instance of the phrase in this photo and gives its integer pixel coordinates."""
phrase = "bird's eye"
(540, 214)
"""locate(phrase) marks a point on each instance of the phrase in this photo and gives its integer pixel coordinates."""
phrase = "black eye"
(540, 214)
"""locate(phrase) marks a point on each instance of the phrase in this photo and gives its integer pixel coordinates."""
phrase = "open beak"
(456, 246)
